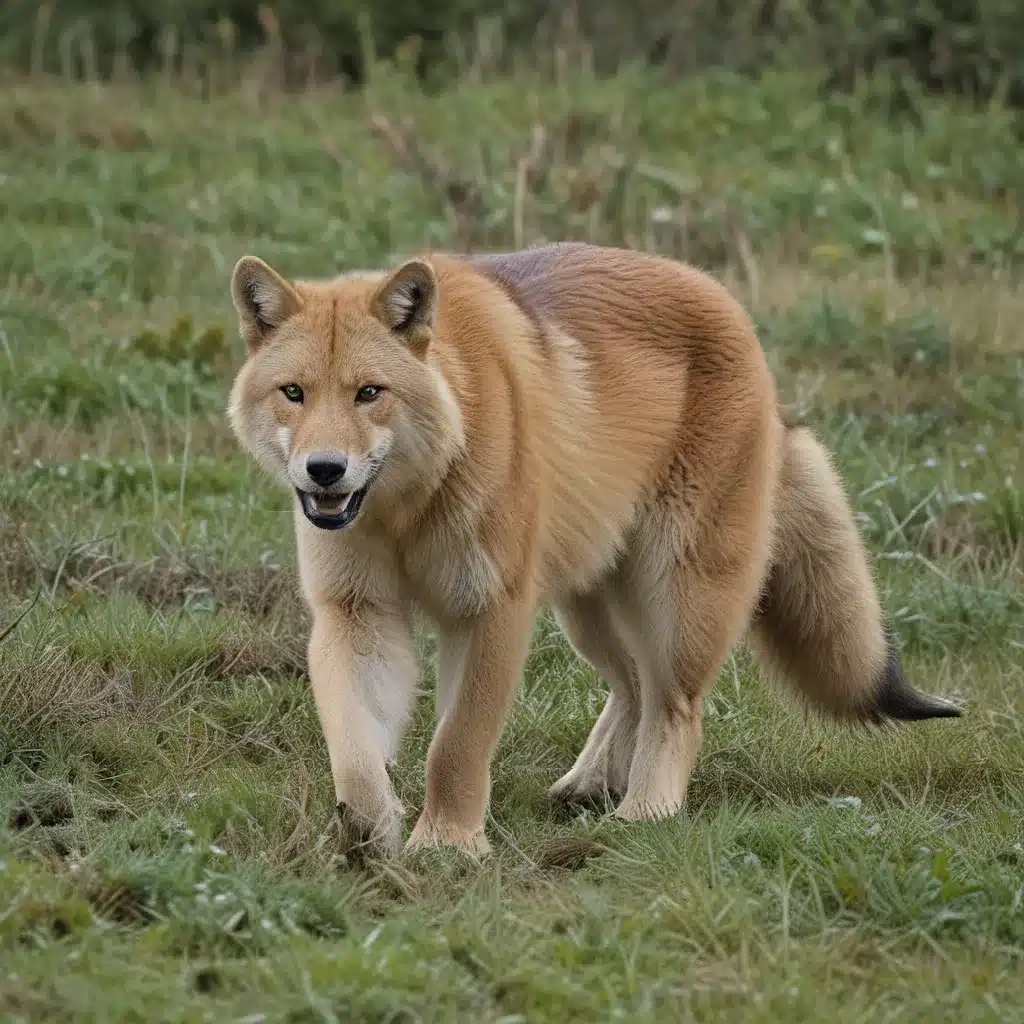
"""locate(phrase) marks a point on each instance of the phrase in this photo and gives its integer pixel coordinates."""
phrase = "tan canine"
(591, 428)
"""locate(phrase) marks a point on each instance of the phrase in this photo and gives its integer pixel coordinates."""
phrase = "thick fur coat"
(591, 428)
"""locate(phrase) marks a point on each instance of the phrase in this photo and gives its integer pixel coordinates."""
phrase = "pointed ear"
(263, 298)
(407, 301)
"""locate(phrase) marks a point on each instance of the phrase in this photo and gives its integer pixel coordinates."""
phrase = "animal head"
(340, 396)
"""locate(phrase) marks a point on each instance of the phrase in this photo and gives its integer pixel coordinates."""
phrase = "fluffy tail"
(819, 623)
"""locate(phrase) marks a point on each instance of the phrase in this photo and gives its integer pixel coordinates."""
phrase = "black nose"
(326, 468)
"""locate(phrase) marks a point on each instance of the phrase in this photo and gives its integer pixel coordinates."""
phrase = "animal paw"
(578, 788)
(634, 809)
(431, 834)
(361, 839)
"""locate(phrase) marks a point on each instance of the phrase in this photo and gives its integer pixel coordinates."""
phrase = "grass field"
(166, 812)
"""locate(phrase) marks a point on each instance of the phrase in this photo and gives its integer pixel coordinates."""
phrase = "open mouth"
(331, 511)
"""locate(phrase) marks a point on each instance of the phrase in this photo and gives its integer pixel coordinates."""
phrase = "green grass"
(166, 819)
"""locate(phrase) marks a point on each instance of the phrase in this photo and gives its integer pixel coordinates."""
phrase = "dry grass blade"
(462, 196)
(7, 630)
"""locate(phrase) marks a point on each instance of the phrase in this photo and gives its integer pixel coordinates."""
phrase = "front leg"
(363, 669)
(491, 651)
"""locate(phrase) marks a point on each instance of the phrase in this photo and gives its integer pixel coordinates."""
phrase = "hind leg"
(683, 607)
(603, 763)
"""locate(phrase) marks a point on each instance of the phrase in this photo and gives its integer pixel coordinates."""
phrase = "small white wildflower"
(931, 462)
(977, 496)
(981, 449)
(964, 463)
(218, 851)
(85, 457)
(844, 802)
(221, 897)
(661, 215)
(62, 471)
(37, 463)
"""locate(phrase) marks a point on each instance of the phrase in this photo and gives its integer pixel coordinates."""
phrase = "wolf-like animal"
(591, 428)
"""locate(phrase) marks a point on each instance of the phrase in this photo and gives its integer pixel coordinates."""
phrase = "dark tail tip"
(896, 698)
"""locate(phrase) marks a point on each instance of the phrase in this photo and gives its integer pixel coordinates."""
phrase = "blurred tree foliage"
(974, 47)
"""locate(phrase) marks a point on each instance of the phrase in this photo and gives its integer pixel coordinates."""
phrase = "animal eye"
(292, 392)
(368, 393)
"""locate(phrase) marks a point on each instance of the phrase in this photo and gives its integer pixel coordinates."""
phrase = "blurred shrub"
(975, 47)
(68, 35)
